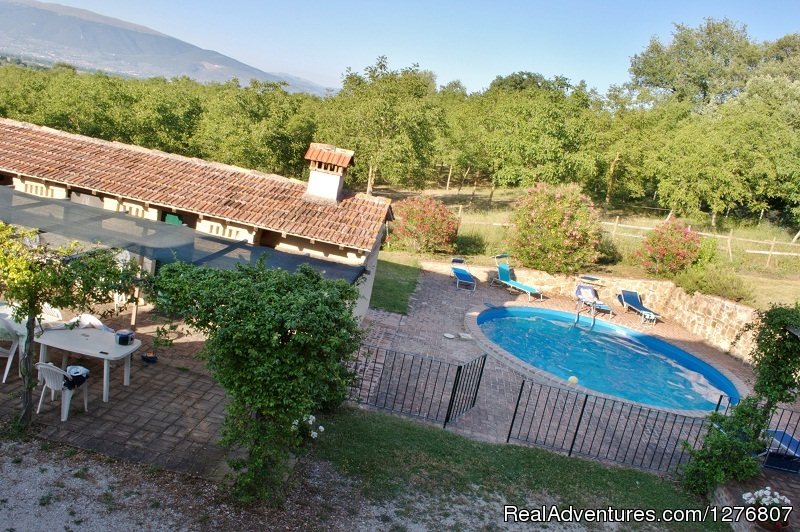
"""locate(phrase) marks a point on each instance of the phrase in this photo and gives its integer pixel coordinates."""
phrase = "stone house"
(316, 219)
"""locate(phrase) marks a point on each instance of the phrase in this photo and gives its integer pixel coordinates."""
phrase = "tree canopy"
(707, 122)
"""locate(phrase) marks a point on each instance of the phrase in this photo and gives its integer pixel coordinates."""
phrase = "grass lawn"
(395, 281)
(397, 460)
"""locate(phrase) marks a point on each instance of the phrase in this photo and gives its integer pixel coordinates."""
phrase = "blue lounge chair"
(586, 296)
(630, 300)
(504, 278)
(784, 452)
(462, 274)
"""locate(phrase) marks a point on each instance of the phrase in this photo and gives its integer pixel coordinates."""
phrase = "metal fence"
(416, 385)
(602, 428)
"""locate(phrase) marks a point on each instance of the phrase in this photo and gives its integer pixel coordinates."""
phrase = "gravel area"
(45, 487)
(52, 487)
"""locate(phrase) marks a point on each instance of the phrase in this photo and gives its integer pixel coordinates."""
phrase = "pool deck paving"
(170, 415)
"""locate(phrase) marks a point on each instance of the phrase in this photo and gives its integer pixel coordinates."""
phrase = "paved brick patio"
(171, 413)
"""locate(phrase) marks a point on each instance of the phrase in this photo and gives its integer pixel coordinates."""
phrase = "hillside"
(47, 33)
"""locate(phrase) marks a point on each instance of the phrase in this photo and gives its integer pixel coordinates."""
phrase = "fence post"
(719, 402)
(480, 378)
(516, 408)
(730, 250)
(771, 249)
(452, 396)
(578, 426)
(614, 231)
(460, 211)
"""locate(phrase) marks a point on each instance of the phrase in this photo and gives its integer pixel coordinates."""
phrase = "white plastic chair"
(9, 353)
(54, 379)
(50, 311)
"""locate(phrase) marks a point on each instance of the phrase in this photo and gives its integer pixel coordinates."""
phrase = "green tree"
(630, 128)
(69, 277)
(279, 343)
(538, 135)
(709, 63)
(167, 114)
(260, 126)
(389, 119)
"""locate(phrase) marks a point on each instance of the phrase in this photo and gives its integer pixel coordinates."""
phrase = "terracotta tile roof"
(327, 153)
(267, 201)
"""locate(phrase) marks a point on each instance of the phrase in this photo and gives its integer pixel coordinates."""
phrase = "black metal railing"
(602, 428)
(465, 389)
(415, 385)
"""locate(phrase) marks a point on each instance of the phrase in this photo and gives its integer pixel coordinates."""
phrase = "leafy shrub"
(729, 449)
(609, 253)
(423, 224)
(556, 229)
(669, 248)
(715, 279)
(278, 343)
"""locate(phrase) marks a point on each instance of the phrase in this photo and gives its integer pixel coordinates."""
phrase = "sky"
(472, 41)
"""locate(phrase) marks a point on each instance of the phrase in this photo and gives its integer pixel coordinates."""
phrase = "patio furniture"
(783, 453)
(586, 296)
(93, 343)
(504, 278)
(8, 334)
(85, 321)
(58, 380)
(462, 274)
(51, 312)
(631, 300)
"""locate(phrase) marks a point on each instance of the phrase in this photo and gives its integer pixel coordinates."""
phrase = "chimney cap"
(327, 153)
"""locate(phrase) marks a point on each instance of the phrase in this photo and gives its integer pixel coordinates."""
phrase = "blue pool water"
(607, 358)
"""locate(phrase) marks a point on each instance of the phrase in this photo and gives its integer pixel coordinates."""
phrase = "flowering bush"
(556, 229)
(306, 429)
(423, 224)
(768, 506)
(668, 249)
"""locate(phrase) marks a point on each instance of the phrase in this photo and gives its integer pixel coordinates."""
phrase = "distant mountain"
(48, 33)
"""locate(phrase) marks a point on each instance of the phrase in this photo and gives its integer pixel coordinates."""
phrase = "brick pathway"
(170, 415)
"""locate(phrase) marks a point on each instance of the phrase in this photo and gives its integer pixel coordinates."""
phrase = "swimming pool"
(607, 358)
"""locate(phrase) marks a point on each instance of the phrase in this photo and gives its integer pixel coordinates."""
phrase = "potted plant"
(769, 509)
(161, 338)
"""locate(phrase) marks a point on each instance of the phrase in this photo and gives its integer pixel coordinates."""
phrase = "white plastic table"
(90, 342)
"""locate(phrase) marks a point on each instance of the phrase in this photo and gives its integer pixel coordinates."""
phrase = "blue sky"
(471, 41)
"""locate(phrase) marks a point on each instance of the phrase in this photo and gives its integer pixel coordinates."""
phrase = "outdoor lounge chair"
(462, 274)
(586, 296)
(504, 278)
(630, 300)
(783, 452)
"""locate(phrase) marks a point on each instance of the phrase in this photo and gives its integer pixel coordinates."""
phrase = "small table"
(92, 343)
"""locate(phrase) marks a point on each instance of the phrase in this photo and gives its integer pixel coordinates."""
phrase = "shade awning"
(154, 240)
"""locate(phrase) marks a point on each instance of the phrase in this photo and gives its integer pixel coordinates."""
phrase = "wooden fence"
(726, 241)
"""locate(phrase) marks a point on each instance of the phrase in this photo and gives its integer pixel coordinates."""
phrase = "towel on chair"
(79, 375)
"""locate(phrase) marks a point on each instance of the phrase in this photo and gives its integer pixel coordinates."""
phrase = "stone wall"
(714, 319)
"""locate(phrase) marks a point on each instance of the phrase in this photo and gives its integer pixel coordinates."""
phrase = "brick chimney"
(328, 167)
